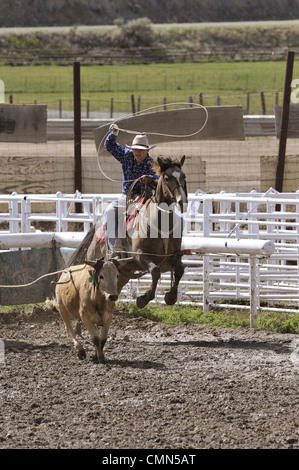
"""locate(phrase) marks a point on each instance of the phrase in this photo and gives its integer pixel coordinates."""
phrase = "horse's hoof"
(170, 299)
(141, 301)
(80, 353)
(98, 359)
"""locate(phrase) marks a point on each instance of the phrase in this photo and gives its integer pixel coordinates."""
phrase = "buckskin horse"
(154, 243)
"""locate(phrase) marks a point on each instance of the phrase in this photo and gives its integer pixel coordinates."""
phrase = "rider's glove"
(114, 129)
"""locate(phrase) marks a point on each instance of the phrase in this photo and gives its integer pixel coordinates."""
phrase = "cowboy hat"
(140, 142)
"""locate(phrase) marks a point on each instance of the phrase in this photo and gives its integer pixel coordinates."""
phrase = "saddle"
(131, 217)
(132, 214)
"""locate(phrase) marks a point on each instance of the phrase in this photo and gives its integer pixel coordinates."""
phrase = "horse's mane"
(164, 162)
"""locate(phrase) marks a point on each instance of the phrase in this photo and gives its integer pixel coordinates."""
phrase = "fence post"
(25, 212)
(263, 103)
(248, 104)
(207, 210)
(254, 291)
(111, 108)
(284, 121)
(60, 108)
(13, 213)
(133, 104)
(77, 130)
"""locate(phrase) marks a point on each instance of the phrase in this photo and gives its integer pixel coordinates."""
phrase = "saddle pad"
(131, 219)
(101, 235)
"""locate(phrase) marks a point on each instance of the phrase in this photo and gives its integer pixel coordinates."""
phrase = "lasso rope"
(15, 286)
(177, 136)
(41, 277)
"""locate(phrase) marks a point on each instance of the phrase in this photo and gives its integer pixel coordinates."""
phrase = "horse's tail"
(79, 255)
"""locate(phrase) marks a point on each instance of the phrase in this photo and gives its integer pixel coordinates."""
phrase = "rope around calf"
(41, 277)
(181, 253)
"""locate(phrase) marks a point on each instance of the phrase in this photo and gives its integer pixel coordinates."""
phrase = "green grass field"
(279, 322)
(231, 81)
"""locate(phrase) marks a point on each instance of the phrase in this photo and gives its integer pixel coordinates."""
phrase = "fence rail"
(218, 279)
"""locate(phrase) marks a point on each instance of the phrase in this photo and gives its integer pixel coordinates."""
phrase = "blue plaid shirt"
(130, 168)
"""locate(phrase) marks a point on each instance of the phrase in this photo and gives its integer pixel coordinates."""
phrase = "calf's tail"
(52, 305)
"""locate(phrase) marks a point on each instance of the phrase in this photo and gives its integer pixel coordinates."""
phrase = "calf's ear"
(97, 264)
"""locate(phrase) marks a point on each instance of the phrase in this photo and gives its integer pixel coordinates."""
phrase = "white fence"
(221, 279)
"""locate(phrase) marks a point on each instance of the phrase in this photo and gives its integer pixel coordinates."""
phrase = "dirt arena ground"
(163, 387)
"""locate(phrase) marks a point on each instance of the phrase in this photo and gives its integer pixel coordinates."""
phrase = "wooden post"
(60, 108)
(263, 103)
(133, 104)
(111, 107)
(284, 121)
(77, 127)
(248, 103)
(276, 98)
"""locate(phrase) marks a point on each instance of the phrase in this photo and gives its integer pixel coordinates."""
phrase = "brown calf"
(88, 293)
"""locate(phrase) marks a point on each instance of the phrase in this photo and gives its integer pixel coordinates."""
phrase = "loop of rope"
(177, 136)
(121, 181)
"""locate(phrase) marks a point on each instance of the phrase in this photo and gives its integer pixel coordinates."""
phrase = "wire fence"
(255, 103)
(109, 92)
(256, 86)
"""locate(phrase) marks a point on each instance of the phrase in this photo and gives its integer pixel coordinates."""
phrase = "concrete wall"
(25, 266)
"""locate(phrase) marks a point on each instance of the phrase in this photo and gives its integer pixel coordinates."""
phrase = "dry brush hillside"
(90, 12)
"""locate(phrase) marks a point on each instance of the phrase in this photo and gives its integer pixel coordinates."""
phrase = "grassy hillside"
(141, 41)
(70, 12)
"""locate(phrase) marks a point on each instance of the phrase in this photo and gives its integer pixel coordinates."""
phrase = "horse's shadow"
(15, 346)
(136, 364)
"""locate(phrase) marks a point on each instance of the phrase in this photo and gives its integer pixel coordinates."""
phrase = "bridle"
(171, 192)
